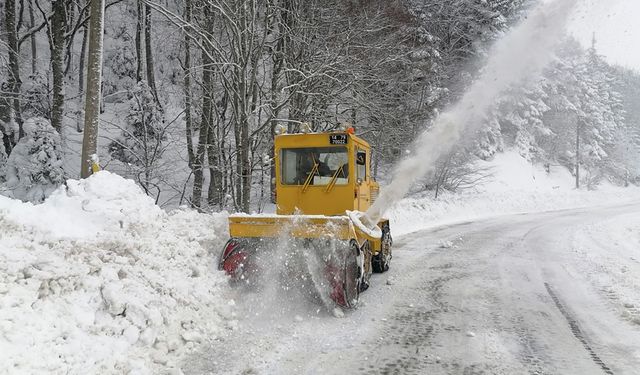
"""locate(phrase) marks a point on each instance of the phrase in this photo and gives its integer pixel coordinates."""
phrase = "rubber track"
(577, 332)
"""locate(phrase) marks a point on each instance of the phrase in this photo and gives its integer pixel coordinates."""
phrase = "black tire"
(381, 261)
(366, 270)
(352, 276)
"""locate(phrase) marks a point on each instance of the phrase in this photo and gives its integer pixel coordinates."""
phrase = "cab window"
(361, 165)
(298, 164)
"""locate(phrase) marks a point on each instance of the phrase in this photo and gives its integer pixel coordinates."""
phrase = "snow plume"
(521, 53)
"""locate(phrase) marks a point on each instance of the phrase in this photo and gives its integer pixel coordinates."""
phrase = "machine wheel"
(367, 260)
(382, 260)
(352, 275)
(345, 276)
(235, 259)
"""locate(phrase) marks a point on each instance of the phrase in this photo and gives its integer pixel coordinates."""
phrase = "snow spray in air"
(523, 52)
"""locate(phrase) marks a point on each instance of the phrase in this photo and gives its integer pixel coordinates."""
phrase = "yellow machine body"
(319, 177)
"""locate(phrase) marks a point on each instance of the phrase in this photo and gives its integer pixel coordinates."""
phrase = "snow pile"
(98, 279)
(515, 186)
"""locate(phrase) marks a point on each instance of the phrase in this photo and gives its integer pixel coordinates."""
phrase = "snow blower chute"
(323, 186)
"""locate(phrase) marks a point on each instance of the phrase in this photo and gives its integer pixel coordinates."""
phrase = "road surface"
(506, 295)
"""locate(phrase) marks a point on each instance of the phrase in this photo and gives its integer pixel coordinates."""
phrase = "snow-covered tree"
(627, 145)
(140, 145)
(517, 121)
(571, 115)
(586, 109)
(34, 168)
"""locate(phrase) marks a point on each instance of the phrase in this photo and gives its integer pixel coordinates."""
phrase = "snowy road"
(544, 293)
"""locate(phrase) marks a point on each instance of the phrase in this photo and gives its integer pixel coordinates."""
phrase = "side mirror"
(359, 181)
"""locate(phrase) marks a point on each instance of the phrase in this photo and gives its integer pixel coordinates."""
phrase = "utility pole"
(89, 162)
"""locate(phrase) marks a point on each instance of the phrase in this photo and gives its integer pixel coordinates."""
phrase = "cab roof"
(320, 139)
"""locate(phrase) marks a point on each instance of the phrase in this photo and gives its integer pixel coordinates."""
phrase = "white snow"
(516, 186)
(98, 279)
(356, 217)
(608, 253)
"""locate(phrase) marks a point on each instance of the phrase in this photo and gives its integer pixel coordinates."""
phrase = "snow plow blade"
(340, 249)
(309, 226)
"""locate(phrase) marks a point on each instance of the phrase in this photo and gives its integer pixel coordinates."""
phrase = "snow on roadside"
(515, 186)
(608, 254)
(98, 279)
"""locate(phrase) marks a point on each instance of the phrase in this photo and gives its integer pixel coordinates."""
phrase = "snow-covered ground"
(98, 279)
(503, 295)
(609, 253)
(515, 186)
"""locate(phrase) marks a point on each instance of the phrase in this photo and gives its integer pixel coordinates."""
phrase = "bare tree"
(139, 28)
(32, 39)
(14, 81)
(457, 171)
(56, 44)
(148, 51)
(81, 67)
(186, 71)
(94, 79)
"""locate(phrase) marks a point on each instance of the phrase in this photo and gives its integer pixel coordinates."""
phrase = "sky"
(616, 28)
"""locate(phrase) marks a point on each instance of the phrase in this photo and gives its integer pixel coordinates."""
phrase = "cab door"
(363, 199)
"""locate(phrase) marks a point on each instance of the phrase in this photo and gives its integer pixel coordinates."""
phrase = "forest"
(192, 91)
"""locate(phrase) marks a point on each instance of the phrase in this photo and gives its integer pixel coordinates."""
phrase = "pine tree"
(34, 168)
(583, 92)
(517, 121)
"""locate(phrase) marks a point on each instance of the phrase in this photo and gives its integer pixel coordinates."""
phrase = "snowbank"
(608, 255)
(98, 279)
(515, 186)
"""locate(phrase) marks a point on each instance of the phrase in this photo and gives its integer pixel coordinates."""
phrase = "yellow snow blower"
(323, 187)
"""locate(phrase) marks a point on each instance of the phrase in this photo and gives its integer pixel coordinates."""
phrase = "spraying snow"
(522, 53)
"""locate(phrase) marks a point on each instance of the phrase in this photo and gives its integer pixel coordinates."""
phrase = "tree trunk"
(139, 28)
(58, 25)
(187, 86)
(94, 79)
(209, 120)
(34, 49)
(151, 81)
(196, 198)
(14, 68)
(83, 53)
(215, 174)
(203, 138)
(246, 166)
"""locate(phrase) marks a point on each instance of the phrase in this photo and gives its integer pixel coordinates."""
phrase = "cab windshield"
(321, 163)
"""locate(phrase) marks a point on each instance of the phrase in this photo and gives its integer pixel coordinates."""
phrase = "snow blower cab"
(323, 186)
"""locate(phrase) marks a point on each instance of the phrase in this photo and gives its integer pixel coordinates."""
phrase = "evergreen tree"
(573, 114)
(583, 94)
(34, 168)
